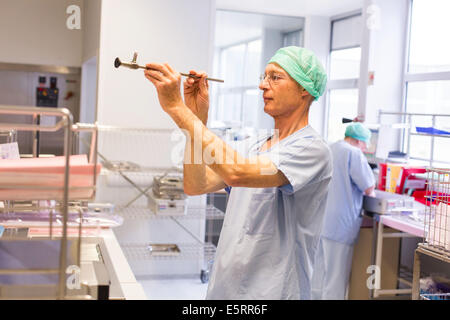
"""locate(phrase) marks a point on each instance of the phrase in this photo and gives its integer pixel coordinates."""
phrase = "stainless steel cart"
(129, 175)
(57, 264)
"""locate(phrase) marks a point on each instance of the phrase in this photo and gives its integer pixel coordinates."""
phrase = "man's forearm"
(208, 149)
(201, 138)
(194, 175)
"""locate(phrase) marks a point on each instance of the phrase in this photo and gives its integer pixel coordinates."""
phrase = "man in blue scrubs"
(352, 178)
(279, 183)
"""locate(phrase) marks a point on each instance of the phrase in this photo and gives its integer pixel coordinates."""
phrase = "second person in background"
(352, 178)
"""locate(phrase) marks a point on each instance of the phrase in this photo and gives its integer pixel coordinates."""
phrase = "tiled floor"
(175, 289)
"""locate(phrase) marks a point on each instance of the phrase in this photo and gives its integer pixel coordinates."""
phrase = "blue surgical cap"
(304, 67)
(358, 131)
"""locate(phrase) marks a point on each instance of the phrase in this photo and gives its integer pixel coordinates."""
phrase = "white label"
(9, 151)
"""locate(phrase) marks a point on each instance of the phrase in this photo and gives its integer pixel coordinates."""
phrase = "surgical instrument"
(133, 65)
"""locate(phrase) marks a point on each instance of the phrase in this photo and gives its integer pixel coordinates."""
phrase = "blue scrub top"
(351, 177)
(269, 236)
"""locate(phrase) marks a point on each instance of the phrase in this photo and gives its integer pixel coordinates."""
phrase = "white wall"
(88, 90)
(91, 28)
(88, 99)
(174, 31)
(35, 32)
(160, 31)
(317, 39)
(386, 57)
(292, 7)
(89, 70)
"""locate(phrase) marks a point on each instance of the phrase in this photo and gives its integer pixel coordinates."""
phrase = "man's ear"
(304, 93)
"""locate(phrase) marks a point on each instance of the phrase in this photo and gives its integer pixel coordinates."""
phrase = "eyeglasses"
(272, 79)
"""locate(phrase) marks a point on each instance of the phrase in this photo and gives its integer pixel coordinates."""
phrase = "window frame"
(337, 84)
(409, 77)
(286, 34)
(345, 16)
(236, 89)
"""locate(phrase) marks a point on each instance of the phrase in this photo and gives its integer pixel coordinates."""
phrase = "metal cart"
(436, 242)
(55, 265)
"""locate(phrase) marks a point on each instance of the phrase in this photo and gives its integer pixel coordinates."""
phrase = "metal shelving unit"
(8, 136)
(140, 251)
(130, 176)
(407, 126)
(208, 212)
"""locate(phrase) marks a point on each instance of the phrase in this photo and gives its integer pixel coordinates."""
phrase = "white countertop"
(129, 287)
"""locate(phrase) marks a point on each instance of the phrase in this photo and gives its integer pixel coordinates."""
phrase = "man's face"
(362, 146)
(281, 93)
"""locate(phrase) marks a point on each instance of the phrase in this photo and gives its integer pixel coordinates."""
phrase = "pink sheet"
(78, 165)
(57, 232)
(20, 179)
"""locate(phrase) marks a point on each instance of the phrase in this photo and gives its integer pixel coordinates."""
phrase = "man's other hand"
(196, 94)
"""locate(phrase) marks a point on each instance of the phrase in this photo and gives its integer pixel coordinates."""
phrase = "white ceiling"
(292, 7)
(233, 27)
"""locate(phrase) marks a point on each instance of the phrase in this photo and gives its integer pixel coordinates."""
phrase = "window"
(343, 104)
(427, 82)
(240, 65)
(346, 32)
(429, 45)
(429, 97)
(344, 64)
(293, 38)
(243, 44)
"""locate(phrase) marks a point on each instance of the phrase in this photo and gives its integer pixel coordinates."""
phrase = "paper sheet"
(9, 151)
(43, 178)
(78, 164)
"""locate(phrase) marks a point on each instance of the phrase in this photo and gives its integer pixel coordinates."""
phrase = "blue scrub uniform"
(269, 237)
(351, 177)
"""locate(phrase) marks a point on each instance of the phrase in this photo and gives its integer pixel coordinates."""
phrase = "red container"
(382, 176)
(408, 173)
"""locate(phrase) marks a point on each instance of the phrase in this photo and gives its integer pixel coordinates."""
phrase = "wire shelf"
(141, 171)
(127, 179)
(141, 178)
(437, 213)
(131, 142)
(435, 296)
(208, 212)
(188, 251)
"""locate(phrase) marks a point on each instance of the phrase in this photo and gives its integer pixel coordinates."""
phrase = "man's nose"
(263, 85)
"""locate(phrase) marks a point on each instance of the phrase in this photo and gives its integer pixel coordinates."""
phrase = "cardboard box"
(362, 255)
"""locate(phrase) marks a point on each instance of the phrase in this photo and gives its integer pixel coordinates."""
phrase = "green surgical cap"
(358, 131)
(304, 67)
